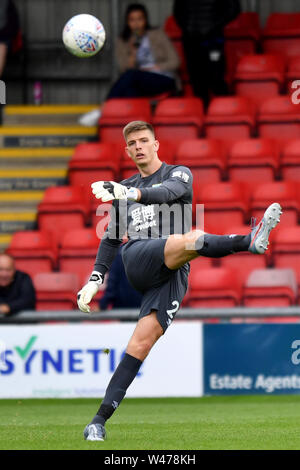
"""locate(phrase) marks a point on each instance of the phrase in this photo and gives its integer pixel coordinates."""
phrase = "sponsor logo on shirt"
(180, 174)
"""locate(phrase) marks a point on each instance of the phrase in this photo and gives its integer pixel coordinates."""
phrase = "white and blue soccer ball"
(84, 35)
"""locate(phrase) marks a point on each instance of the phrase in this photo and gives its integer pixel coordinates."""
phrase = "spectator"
(147, 61)
(9, 29)
(202, 23)
(119, 293)
(16, 289)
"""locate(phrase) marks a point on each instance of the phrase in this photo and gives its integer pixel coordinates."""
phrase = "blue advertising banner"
(245, 359)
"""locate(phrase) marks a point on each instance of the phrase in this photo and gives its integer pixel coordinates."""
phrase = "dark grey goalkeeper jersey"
(165, 208)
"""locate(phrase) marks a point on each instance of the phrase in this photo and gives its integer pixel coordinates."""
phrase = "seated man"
(16, 289)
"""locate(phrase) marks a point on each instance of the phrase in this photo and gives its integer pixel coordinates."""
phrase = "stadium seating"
(243, 262)
(286, 249)
(93, 162)
(214, 287)
(290, 160)
(206, 159)
(293, 73)
(270, 288)
(117, 112)
(279, 118)
(259, 76)
(253, 161)
(178, 118)
(225, 205)
(78, 252)
(34, 251)
(284, 192)
(62, 208)
(241, 37)
(230, 118)
(282, 34)
(56, 291)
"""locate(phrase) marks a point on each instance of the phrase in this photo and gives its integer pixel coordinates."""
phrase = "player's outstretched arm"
(179, 183)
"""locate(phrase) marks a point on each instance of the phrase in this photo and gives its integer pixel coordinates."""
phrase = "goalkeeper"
(157, 255)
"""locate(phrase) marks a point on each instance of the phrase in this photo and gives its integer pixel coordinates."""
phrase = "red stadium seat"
(205, 157)
(279, 118)
(252, 161)
(197, 265)
(117, 112)
(214, 287)
(259, 76)
(62, 208)
(293, 73)
(241, 37)
(225, 204)
(230, 118)
(93, 162)
(56, 291)
(282, 34)
(284, 192)
(243, 262)
(270, 288)
(178, 118)
(34, 251)
(290, 160)
(78, 252)
(166, 153)
(286, 249)
(172, 29)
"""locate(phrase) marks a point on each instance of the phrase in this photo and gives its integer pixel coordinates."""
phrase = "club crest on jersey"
(180, 174)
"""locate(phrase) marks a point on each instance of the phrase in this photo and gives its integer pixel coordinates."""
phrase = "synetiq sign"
(72, 361)
(2, 92)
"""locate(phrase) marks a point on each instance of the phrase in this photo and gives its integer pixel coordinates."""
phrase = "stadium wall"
(192, 359)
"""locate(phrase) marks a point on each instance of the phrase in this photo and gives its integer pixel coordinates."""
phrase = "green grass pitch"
(232, 422)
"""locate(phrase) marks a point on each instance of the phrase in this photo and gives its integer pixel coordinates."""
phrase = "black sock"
(117, 387)
(216, 246)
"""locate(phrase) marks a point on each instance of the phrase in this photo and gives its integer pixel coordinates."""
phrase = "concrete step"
(66, 115)
(5, 239)
(20, 199)
(45, 136)
(13, 220)
(35, 157)
(31, 179)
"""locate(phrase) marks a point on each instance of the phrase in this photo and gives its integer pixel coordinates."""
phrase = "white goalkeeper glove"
(88, 291)
(109, 190)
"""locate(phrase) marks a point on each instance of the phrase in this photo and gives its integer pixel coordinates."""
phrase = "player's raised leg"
(181, 249)
(146, 333)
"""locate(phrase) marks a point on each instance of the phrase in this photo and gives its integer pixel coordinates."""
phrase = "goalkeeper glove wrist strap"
(96, 277)
(132, 194)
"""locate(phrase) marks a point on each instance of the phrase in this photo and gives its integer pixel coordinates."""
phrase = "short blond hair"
(134, 126)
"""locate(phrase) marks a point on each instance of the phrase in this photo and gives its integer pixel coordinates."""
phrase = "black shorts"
(163, 289)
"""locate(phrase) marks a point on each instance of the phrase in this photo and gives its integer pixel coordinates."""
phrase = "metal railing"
(223, 314)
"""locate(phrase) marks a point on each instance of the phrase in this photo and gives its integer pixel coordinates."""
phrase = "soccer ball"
(84, 35)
